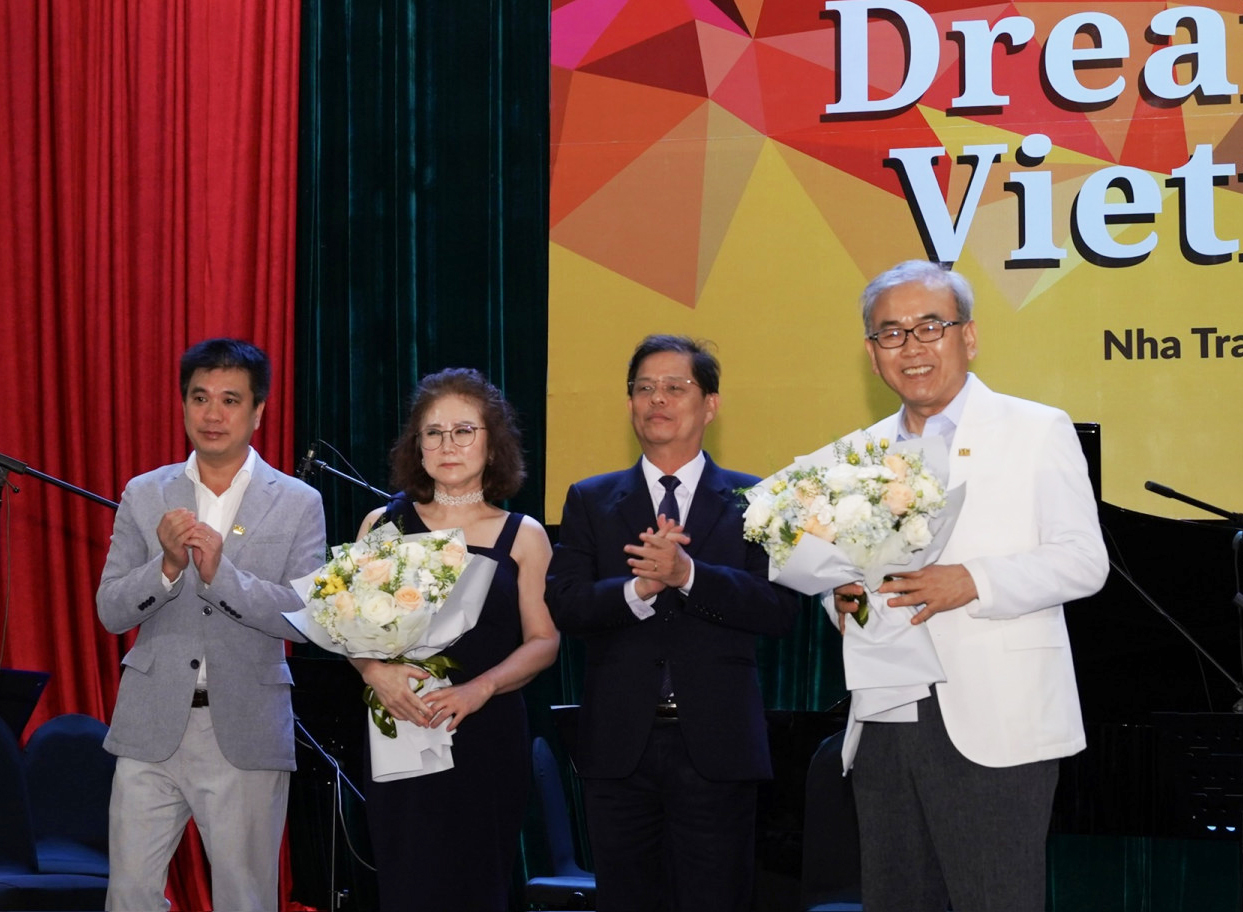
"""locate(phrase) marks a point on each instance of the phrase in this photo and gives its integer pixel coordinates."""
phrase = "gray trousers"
(239, 813)
(935, 828)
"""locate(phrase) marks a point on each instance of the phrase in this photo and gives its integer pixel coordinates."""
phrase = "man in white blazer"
(955, 807)
(201, 558)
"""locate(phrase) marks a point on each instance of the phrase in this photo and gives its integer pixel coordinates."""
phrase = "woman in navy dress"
(448, 840)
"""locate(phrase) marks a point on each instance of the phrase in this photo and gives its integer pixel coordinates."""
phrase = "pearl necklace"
(454, 500)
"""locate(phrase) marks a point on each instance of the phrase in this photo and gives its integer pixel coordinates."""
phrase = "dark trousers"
(665, 839)
(935, 828)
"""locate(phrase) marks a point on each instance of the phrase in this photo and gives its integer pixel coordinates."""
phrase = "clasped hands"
(183, 539)
(939, 587)
(658, 561)
(392, 683)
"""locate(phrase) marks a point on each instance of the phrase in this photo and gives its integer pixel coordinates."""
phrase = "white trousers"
(239, 813)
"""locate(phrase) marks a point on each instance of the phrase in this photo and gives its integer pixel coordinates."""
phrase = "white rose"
(824, 511)
(916, 532)
(926, 489)
(853, 510)
(757, 515)
(841, 476)
(378, 608)
(413, 552)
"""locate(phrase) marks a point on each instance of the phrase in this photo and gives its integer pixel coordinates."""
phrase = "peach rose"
(896, 464)
(452, 554)
(408, 599)
(345, 606)
(898, 497)
(815, 527)
(377, 572)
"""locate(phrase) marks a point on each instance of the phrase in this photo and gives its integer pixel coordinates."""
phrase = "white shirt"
(688, 476)
(945, 422)
(218, 511)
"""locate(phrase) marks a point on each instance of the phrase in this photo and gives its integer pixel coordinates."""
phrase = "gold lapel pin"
(239, 530)
(962, 451)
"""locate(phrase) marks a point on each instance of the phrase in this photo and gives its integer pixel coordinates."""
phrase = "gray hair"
(931, 275)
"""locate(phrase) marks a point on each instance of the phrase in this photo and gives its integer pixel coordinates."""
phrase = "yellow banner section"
(1101, 238)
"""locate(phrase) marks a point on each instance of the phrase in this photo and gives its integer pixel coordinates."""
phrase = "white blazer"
(1030, 537)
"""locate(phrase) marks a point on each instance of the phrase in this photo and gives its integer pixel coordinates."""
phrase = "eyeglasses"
(462, 435)
(669, 387)
(895, 336)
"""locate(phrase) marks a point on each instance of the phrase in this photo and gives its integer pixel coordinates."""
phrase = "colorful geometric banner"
(738, 171)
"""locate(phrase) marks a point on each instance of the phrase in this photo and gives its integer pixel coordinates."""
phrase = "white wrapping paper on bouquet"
(889, 662)
(415, 751)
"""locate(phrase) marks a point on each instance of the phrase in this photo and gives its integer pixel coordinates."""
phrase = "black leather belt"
(666, 710)
(199, 700)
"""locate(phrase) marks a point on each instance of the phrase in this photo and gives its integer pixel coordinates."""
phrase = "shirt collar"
(946, 421)
(243, 474)
(688, 474)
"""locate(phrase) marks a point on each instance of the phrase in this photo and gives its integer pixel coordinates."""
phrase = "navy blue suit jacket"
(707, 636)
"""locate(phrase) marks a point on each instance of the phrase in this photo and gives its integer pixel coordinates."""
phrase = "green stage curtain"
(423, 222)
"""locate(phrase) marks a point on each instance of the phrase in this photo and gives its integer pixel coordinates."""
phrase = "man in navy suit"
(652, 572)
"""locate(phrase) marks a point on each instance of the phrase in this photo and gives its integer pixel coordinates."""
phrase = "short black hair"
(227, 354)
(704, 365)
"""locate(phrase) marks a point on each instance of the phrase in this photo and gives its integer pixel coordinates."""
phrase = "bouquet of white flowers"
(875, 503)
(857, 511)
(400, 598)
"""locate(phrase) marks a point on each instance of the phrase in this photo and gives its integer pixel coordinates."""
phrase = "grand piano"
(1165, 744)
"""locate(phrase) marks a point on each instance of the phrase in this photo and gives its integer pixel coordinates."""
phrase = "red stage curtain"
(147, 188)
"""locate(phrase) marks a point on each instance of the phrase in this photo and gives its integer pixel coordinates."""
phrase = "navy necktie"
(669, 504)
(669, 507)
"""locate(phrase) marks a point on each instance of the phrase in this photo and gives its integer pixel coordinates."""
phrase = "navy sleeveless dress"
(448, 840)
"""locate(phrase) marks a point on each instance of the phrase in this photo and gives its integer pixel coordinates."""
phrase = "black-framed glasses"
(462, 435)
(669, 387)
(895, 336)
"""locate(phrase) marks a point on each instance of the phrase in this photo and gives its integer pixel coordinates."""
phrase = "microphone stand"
(1153, 604)
(9, 464)
(311, 465)
(1236, 519)
(338, 776)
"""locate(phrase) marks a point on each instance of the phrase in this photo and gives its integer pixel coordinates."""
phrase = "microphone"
(8, 463)
(1236, 518)
(308, 463)
(1160, 489)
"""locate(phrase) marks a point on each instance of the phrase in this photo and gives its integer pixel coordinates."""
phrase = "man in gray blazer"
(201, 559)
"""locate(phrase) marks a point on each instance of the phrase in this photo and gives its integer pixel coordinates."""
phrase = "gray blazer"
(236, 622)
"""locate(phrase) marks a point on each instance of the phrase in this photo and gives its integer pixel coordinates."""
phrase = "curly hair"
(505, 470)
